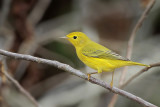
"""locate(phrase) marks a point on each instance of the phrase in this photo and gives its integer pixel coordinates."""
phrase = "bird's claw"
(89, 75)
(111, 84)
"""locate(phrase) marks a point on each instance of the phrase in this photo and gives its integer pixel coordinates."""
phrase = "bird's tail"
(136, 63)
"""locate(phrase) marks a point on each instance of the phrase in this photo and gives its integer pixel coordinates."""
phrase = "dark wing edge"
(119, 57)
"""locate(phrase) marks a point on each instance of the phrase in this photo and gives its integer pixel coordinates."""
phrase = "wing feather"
(101, 52)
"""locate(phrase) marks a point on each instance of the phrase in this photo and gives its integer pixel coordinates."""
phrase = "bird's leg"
(89, 75)
(99, 70)
(111, 84)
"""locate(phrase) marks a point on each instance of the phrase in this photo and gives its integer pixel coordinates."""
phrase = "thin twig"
(22, 90)
(139, 73)
(133, 34)
(5, 11)
(78, 73)
(38, 11)
(130, 47)
(131, 79)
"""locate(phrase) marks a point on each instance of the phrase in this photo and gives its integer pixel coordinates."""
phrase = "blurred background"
(34, 26)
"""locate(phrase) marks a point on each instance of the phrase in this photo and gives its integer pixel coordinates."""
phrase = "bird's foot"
(111, 84)
(89, 75)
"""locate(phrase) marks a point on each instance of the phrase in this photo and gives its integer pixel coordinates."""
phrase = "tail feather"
(136, 63)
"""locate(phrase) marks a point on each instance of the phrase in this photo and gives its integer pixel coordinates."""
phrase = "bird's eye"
(74, 37)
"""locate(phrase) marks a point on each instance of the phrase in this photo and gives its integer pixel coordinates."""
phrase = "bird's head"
(78, 39)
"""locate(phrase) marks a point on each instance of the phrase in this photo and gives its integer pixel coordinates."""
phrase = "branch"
(5, 11)
(130, 47)
(78, 73)
(114, 98)
(22, 90)
(38, 11)
(133, 35)
(139, 73)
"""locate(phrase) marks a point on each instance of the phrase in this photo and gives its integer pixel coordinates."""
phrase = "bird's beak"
(64, 37)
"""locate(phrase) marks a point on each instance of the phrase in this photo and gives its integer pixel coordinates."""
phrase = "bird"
(97, 56)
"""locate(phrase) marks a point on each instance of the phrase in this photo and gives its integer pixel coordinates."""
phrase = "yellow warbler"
(97, 56)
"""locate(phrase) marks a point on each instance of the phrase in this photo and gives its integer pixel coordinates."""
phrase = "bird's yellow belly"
(97, 63)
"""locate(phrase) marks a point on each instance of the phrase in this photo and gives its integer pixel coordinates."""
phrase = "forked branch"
(130, 47)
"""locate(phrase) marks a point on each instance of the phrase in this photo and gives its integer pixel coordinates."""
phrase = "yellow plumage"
(97, 56)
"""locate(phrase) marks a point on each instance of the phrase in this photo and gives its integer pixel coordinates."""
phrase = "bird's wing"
(98, 51)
